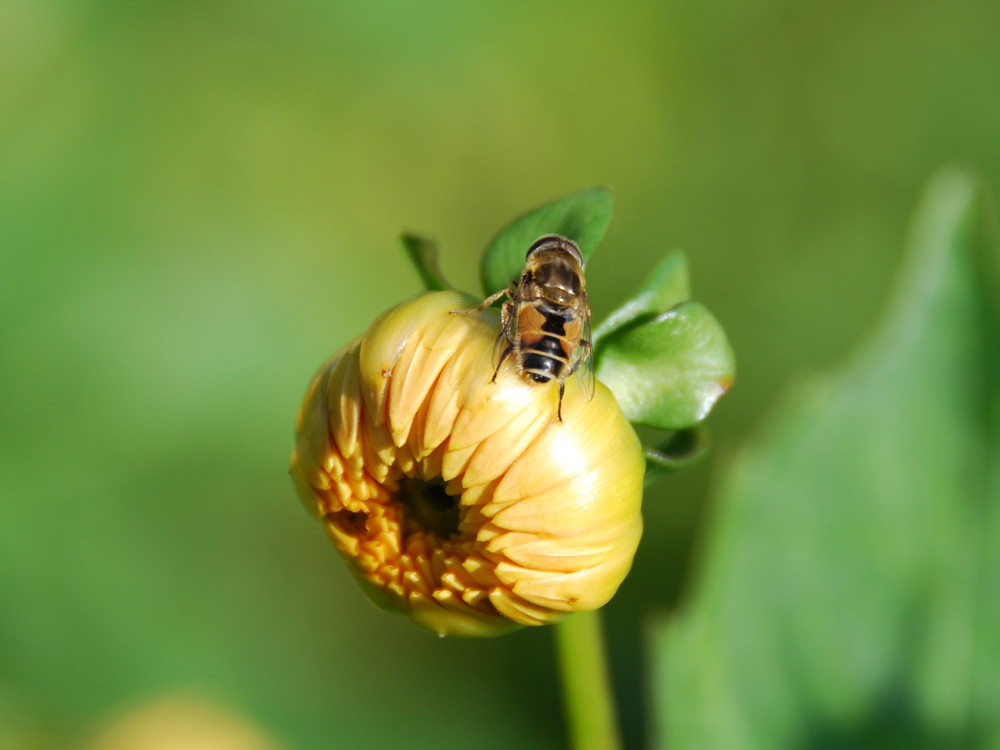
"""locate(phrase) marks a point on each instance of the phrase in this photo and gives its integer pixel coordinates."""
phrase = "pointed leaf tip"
(423, 253)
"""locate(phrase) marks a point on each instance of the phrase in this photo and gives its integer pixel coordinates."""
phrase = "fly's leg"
(506, 353)
(486, 303)
(562, 387)
(506, 321)
(506, 318)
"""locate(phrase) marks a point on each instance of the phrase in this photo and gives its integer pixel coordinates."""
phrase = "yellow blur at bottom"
(180, 723)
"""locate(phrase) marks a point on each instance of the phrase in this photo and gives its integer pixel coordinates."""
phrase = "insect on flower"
(545, 322)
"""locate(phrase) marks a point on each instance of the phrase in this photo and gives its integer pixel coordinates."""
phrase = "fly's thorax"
(557, 279)
(554, 268)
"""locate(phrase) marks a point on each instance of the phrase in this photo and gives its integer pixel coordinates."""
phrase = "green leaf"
(665, 287)
(423, 253)
(668, 371)
(850, 595)
(583, 217)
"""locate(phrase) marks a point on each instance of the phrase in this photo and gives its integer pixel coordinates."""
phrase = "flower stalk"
(588, 698)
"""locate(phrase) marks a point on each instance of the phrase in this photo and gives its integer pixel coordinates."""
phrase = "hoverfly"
(545, 323)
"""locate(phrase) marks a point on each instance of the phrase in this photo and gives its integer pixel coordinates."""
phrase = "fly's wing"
(583, 363)
(504, 344)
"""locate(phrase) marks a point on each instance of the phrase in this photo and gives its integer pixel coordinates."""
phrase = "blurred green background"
(199, 202)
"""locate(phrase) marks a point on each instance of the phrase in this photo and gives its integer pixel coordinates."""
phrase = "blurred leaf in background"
(849, 595)
(198, 202)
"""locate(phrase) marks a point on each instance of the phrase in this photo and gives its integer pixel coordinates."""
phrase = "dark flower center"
(428, 508)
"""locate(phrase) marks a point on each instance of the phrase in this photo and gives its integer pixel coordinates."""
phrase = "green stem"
(587, 696)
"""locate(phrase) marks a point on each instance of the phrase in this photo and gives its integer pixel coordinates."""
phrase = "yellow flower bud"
(462, 502)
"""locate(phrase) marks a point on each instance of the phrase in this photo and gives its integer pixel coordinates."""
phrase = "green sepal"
(679, 451)
(668, 371)
(582, 217)
(666, 286)
(423, 253)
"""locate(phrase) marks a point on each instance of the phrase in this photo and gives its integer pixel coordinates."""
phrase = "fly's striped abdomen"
(544, 360)
(544, 354)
